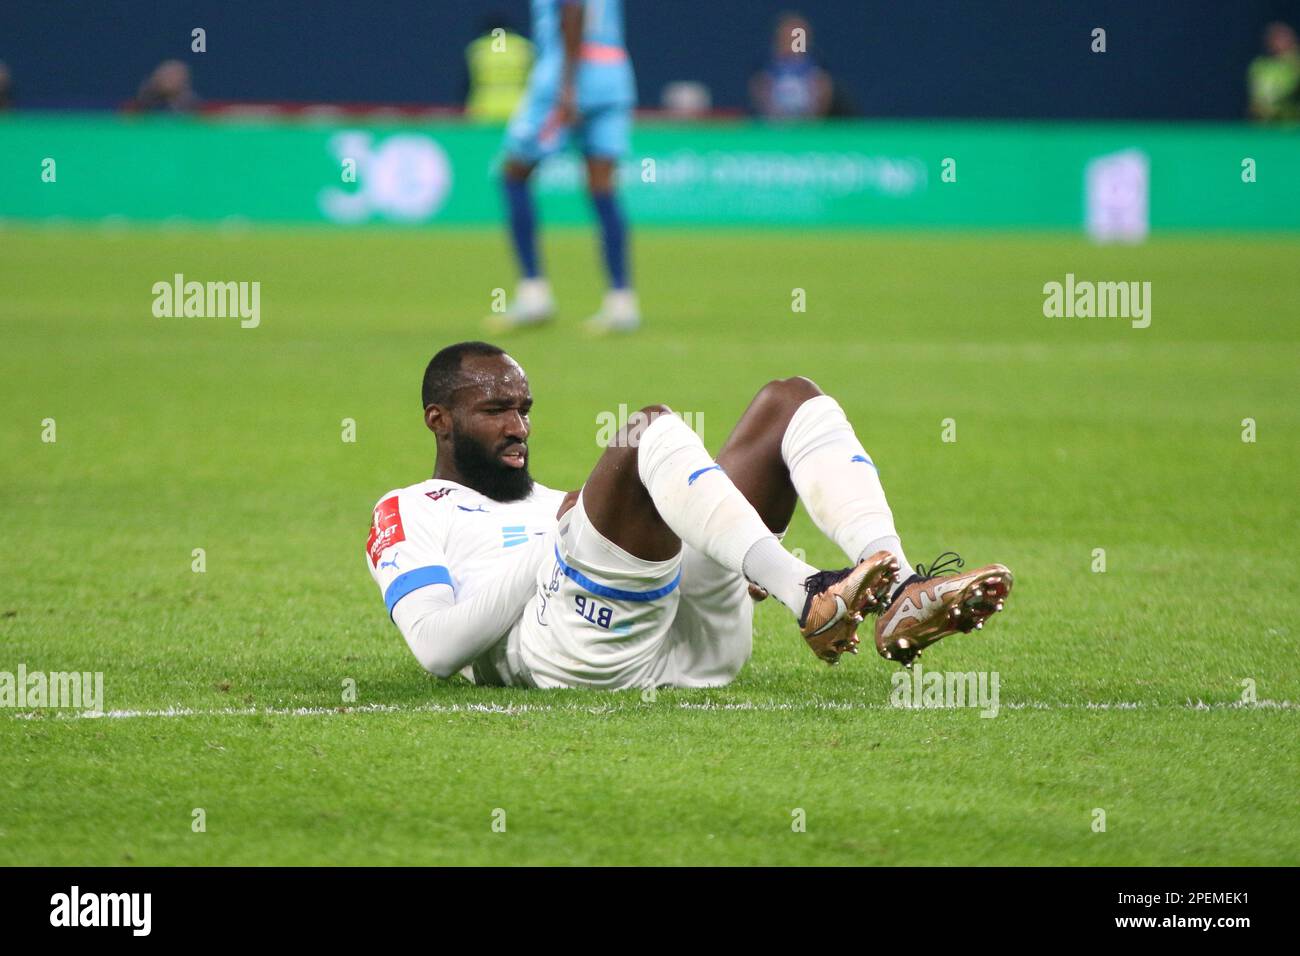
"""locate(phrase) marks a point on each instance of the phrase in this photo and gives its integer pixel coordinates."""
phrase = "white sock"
(894, 547)
(769, 565)
(838, 482)
(700, 504)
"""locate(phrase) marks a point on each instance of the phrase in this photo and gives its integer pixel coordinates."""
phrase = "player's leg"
(751, 455)
(606, 137)
(608, 597)
(606, 601)
(525, 147)
(712, 633)
(794, 440)
(618, 503)
(697, 500)
(522, 215)
(601, 171)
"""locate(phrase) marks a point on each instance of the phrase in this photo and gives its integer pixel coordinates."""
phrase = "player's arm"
(822, 91)
(445, 634)
(572, 14)
(1259, 106)
(407, 557)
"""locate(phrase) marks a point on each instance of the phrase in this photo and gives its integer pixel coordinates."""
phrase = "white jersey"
(440, 532)
(506, 594)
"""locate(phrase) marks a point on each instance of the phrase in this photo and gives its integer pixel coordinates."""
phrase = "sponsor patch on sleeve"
(385, 530)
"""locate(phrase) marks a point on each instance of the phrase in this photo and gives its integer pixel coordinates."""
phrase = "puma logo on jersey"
(472, 510)
(389, 564)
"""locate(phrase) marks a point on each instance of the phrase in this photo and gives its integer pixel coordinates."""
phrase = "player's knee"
(789, 392)
(638, 422)
(651, 412)
(516, 171)
(626, 441)
(600, 177)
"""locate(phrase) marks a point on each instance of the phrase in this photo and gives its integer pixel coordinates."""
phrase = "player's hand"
(570, 499)
(757, 593)
(566, 107)
(562, 115)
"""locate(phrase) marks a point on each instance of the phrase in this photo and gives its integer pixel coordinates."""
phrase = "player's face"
(1281, 39)
(490, 427)
(783, 43)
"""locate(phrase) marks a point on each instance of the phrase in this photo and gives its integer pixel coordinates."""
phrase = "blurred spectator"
(166, 90)
(6, 87)
(791, 85)
(498, 62)
(1275, 77)
(842, 104)
(686, 99)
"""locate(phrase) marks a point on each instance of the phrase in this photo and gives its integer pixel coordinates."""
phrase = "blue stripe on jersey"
(615, 594)
(404, 584)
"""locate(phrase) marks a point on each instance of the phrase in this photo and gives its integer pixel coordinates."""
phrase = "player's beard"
(481, 469)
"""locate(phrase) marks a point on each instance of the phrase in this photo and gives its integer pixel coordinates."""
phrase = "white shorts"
(603, 618)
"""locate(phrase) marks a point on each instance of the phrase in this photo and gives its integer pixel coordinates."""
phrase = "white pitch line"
(1012, 705)
(515, 710)
(282, 711)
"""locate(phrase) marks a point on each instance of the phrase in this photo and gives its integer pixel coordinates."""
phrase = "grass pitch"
(1120, 691)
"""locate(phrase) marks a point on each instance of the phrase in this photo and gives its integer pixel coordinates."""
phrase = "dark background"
(1175, 59)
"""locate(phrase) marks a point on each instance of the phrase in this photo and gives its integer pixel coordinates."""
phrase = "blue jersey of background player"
(581, 90)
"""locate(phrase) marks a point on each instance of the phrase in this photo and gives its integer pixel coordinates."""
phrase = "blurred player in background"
(497, 62)
(581, 87)
(1275, 78)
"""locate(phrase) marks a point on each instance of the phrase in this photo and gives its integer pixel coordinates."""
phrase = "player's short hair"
(442, 374)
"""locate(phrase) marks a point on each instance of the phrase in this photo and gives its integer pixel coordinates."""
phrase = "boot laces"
(950, 562)
(815, 584)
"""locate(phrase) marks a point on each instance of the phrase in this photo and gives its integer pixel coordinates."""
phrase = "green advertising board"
(850, 174)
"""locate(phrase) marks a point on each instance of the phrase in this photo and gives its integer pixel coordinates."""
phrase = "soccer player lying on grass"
(644, 577)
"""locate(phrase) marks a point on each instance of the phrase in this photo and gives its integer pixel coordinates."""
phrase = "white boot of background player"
(533, 305)
(619, 312)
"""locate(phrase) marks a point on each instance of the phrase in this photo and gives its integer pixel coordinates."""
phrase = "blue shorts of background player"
(604, 131)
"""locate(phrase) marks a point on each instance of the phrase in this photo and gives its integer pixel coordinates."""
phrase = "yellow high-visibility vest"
(498, 73)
